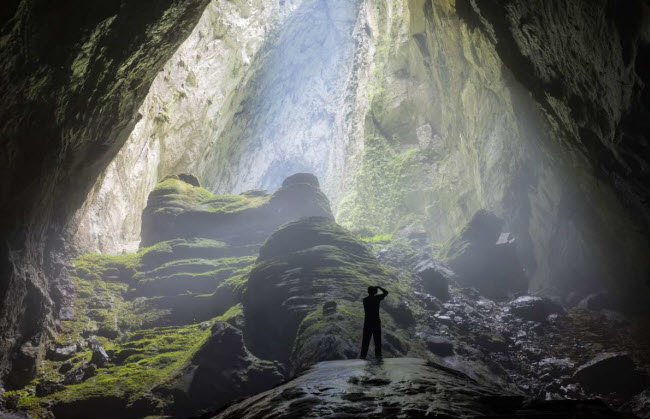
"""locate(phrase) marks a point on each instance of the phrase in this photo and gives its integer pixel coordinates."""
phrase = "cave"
(199, 197)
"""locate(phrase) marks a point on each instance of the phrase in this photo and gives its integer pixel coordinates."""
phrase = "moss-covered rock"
(178, 209)
(302, 266)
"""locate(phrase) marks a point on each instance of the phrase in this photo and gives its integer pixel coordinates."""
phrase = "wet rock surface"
(396, 388)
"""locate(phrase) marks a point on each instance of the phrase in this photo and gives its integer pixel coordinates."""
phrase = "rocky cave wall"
(73, 76)
(459, 110)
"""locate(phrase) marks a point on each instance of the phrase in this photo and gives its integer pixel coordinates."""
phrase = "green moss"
(174, 193)
(381, 196)
(161, 354)
(377, 239)
(232, 312)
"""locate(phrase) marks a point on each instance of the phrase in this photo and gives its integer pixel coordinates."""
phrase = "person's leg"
(376, 334)
(365, 342)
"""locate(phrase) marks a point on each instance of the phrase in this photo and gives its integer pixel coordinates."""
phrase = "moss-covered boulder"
(223, 370)
(179, 208)
(302, 268)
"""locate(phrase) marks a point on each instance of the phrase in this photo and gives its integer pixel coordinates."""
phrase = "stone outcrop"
(139, 338)
(177, 209)
(223, 370)
(398, 387)
(302, 266)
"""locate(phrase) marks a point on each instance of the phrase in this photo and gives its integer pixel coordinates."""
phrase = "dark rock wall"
(72, 77)
(586, 65)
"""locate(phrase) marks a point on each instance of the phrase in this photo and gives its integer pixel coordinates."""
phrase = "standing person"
(371, 322)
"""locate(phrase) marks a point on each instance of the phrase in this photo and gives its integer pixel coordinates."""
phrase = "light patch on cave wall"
(290, 114)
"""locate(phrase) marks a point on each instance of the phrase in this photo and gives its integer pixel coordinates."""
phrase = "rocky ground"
(231, 295)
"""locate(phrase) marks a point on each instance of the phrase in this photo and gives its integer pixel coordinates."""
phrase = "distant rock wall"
(455, 113)
(187, 107)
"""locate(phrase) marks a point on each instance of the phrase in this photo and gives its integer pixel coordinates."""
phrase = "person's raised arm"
(383, 294)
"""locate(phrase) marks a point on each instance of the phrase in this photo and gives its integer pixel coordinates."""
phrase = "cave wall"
(72, 78)
(188, 105)
(451, 123)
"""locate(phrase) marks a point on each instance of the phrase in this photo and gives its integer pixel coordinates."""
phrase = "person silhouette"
(371, 321)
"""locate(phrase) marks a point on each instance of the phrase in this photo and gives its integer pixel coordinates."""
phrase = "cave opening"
(227, 179)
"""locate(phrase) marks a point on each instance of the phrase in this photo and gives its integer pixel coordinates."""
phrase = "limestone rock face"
(397, 387)
(184, 111)
(74, 83)
(444, 124)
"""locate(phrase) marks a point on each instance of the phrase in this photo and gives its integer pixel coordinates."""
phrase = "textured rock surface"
(185, 110)
(73, 83)
(190, 324)
(177, 209)
(302, 266)
(140, 340)
(443, 125)
(223, 370)
(398, 387)
(425, 114)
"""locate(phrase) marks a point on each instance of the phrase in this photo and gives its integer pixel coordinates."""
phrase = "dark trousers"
(371, 330)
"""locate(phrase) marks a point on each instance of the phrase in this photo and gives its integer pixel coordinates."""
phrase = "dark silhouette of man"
(371, 322)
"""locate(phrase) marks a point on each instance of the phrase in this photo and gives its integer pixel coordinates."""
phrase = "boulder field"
(259, 295)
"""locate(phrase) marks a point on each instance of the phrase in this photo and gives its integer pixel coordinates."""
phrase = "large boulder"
(484, 258)
(307, 178)
(61, 353)
(531, 308)
(179, 207)
(302, 266)
(435, 278)
(611, 373)
(223, 370)
(80, 373)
